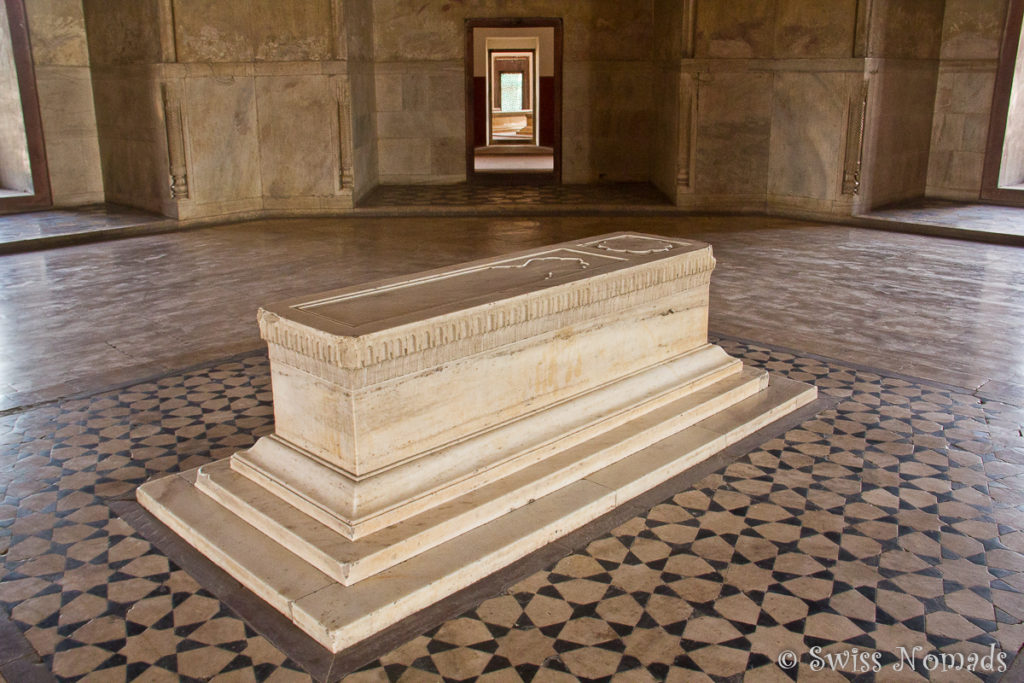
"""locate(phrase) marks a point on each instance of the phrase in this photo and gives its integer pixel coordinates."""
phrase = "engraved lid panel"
(365, 309)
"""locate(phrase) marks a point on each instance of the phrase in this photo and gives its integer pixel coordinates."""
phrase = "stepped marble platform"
(432, 429)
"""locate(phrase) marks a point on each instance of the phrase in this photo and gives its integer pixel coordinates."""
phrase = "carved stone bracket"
(855, 140)
(175, 129)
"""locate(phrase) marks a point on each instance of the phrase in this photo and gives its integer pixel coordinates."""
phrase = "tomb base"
(338, 615)
(431, 430)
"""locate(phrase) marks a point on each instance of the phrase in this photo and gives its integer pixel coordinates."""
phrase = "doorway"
(514, 100)
(1003, 173)
(24, 179)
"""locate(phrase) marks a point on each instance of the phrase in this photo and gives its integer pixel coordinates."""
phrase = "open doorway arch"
(1003, 172)
(514, 134)
(24, 177)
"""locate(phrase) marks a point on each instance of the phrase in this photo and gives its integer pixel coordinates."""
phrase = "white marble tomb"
(431, 429)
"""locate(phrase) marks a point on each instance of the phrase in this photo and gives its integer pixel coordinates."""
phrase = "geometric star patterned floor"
(889, 522)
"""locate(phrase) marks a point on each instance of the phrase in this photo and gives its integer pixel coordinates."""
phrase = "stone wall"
(608, 121)
(773, 82)
(223, 108)
(809, 108)
(57, 33)
(672, 104)
(215, 108)
(904, 40)
(126, 47)
(971, 37)
(361, 98)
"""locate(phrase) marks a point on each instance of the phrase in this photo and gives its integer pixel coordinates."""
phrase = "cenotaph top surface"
(369, 308)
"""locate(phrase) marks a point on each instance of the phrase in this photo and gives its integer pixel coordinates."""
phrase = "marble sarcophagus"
(431, 429)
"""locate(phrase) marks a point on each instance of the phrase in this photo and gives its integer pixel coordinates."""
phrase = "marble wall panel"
(603, 137)
(246, 30)
(735, 28)
(389, 92)
(971, 38)
(419, 31)
(955, 174)
(973, 29)
(299, 30)
(576, 122)
(898, 132)
(134, 173)
(906, 29)
(423, 108)
(610, 29)
(132, 148)
(57, 29)
(434, 29)
(358, 23)
(664, 155)
(70, 133)
(298, 136)
(732, 144)
(126, 104)
(807, 136)
(361, 95)
(60, 52)
(447, 156)
(623, 127)
(67, 91)
(405, 160)
(122, 31)
(214, 30)
(670, 21)
(76, 177)
(811, 28)
(222, 139)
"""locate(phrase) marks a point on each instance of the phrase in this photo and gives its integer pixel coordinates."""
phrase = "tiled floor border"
(325, 666)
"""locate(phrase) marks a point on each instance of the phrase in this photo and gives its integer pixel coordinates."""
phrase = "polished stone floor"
(891, 519)
(44, 229)
(508, 199)
(981, 218)
(82, 318)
